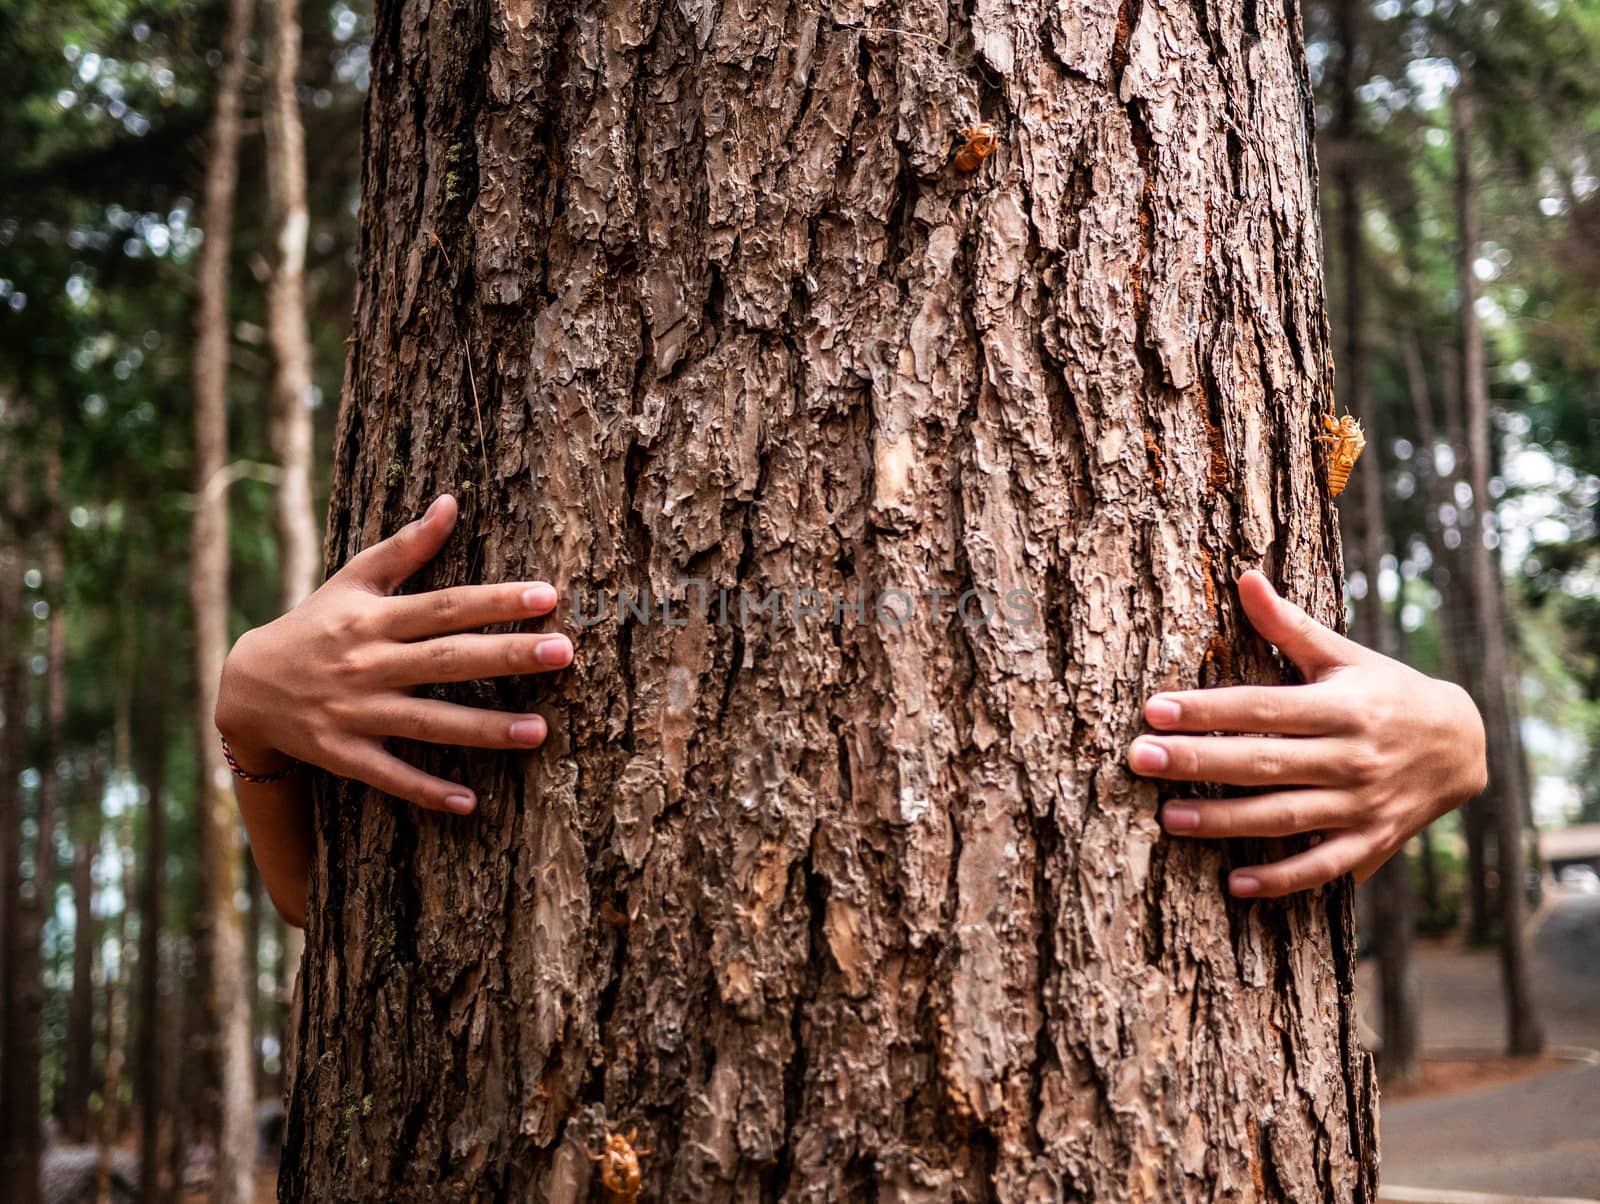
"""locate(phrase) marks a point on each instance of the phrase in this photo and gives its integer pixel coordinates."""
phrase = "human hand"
(1367, 753)
(328, 682)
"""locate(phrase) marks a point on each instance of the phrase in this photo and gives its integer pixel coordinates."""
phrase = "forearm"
(277, 817)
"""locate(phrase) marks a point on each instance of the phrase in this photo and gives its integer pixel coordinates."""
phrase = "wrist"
(243, 740)
(255, 760)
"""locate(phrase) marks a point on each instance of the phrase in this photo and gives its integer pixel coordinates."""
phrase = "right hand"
(331, 680)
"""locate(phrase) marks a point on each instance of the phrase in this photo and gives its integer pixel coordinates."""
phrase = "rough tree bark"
(853, 905)
(1507, 779)
(220, 844)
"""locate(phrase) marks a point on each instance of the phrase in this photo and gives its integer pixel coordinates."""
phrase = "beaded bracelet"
(245, 775)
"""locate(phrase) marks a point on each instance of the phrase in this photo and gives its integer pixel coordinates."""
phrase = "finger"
(380, 769)
(470, 657)
(1332, 858)
(385, 565)
(1312, 646)
(441, 611)
(1286, 710)
(1371, 865)
(1284, 813)
(433, 722)
(1234, 760)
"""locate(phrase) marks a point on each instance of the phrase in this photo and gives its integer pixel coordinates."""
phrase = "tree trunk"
(73, 1108)
(24, 1137)
(153, 1036)
(15, 627)
(1524, 1033)
(208, 590)
(1460, 619)
(1426, 464)
(860, 903)
(299, 539)
(112, 1121)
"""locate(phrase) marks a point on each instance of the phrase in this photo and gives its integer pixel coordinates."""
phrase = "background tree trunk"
(22, 1098)
(855, 905)
(74, 1105)
(14, 652)
(299, 537)
(299, 540)
(1426, 461)
(208, 591)
(1507, 779)
(154, 1030)
(1459, 623)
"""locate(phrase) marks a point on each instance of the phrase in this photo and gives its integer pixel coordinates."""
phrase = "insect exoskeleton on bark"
(619, 1166)
(979, 142)
(1345, 441)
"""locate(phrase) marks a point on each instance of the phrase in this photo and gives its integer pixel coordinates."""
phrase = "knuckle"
(1365, 764)
(1349, 711)
(1322, 868)
(1267, 708)
(519, 655)
(418, 724)
(353, 665)
(342, 712)
(445, 659)
(1267, 764)
(446, 607)
(321, 750)
(1296, 816)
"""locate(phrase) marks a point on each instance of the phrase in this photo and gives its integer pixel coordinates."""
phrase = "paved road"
(1566, 951)
(1535, 1136)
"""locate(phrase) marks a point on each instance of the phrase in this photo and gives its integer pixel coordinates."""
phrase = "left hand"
(1368, 752)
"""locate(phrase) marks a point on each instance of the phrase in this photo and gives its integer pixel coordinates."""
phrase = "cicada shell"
(1345, 441)
(981, 142)
(619, 1167)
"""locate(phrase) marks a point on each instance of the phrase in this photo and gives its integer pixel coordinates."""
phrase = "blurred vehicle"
(1580, 878)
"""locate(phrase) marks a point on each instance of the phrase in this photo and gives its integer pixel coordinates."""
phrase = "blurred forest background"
(171, 347)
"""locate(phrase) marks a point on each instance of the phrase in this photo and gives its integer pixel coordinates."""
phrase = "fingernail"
(555, 651)
(1147, 756)
(434, 508)
(461, 804)
(541, 596)
(1161, 710)
(1180, 819)
(1244, 884)
(528, 731)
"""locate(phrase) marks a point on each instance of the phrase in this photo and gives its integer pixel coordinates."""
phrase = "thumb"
(383, 566)
(1314, 648)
